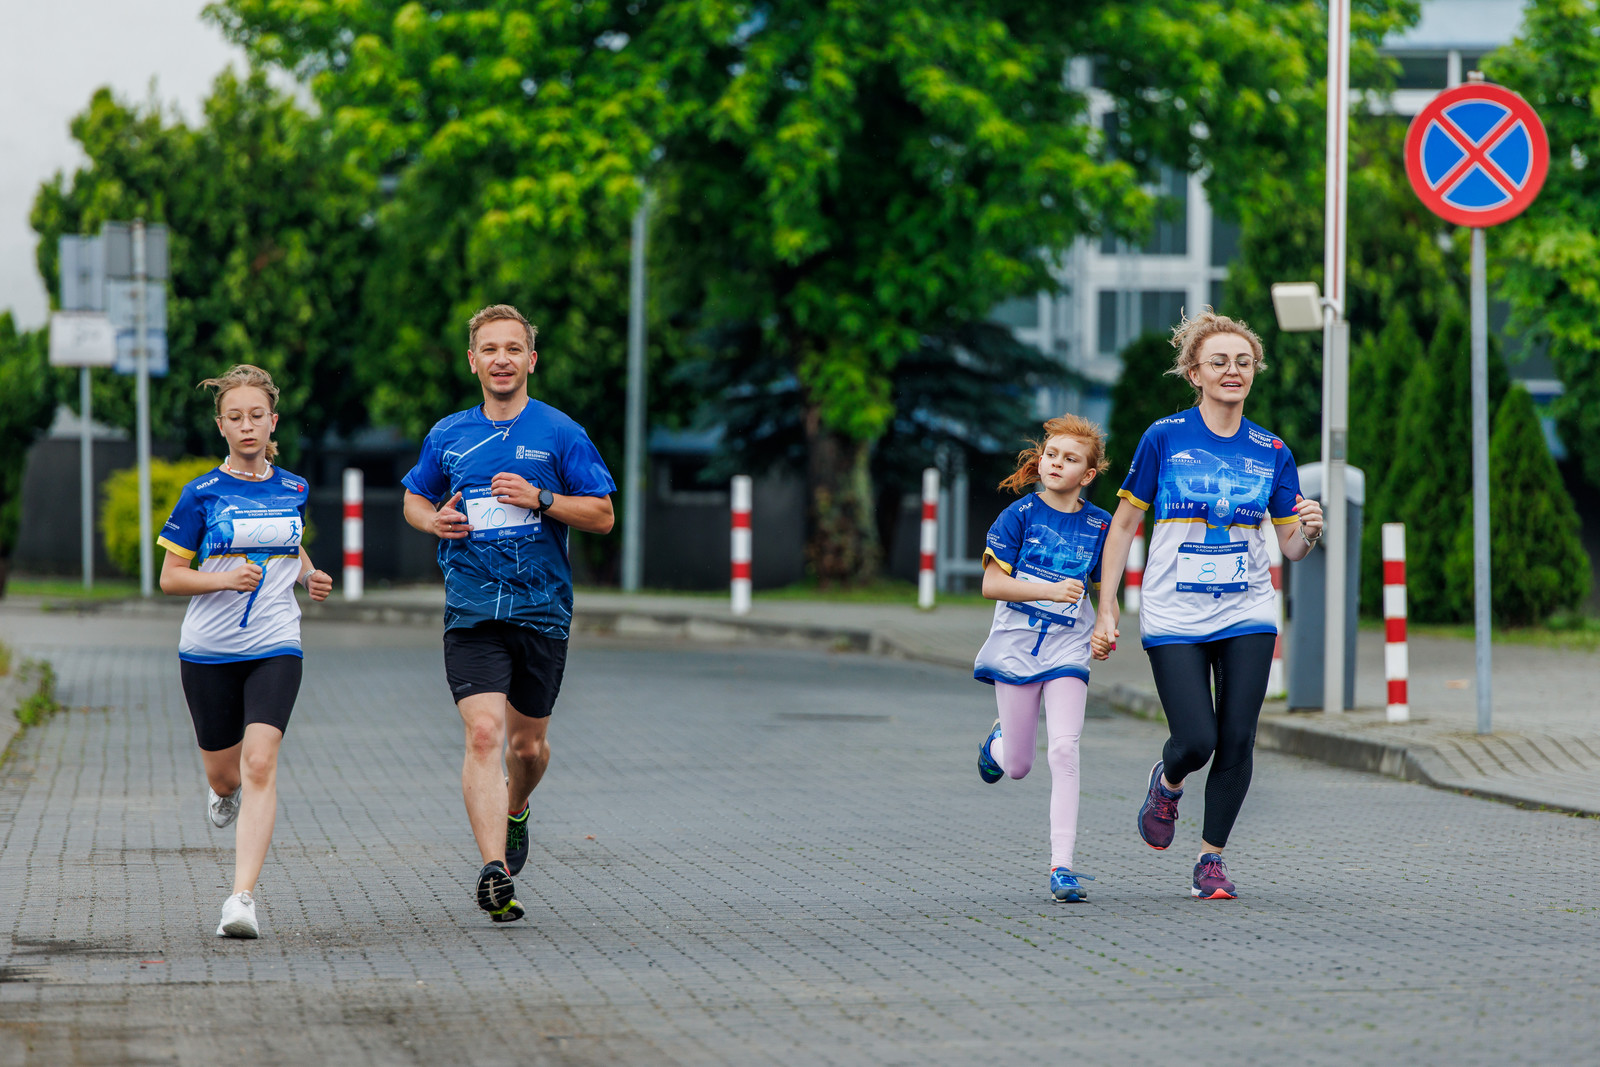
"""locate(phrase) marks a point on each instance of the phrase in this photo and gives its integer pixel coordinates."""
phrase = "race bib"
(1214, 569)
(1045, 609)
(276, 531)
(491, 520)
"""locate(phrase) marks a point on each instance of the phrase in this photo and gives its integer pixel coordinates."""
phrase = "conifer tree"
(1538, 565)
(1379, 370)
(1431, 474)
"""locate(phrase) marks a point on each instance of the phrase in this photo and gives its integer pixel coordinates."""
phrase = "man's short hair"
(494, 313)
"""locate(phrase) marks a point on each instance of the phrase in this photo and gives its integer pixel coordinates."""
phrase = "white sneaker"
(222, 810)
(238, 917)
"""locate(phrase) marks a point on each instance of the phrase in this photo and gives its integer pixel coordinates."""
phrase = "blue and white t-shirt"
(513, 567)
(227, 522)
(1208, 575)
(1037, 640)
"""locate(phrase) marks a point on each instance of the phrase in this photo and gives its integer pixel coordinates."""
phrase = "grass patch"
(40, 703)
(1566, 631)
(72, 589)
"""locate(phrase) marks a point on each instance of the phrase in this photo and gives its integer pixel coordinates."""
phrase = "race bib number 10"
(491, 520)
(1214, 569)
(272, 530)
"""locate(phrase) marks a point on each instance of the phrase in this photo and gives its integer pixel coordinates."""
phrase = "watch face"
(546, 498)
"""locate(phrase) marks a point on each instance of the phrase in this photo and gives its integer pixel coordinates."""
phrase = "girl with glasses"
(239, 649)
(1207, 619)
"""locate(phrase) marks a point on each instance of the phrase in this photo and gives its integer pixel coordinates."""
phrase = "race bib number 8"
(273, 530)
(1048, 609)
(490, 519)
(1214, 569)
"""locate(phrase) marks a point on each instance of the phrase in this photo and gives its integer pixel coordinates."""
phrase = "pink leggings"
(1063, 700)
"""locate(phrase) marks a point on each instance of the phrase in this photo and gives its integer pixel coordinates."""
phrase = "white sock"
(997, 752)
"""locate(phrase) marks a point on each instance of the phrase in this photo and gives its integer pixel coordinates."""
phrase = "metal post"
(1335, 351)
(633, 502)
(1480, 478)
(86, 479)
(141, 357)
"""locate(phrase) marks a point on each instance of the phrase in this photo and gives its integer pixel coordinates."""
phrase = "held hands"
(242, 579)
(515, 490)
(1310, 514)
(319, 584)
(448, 523)
(1104, 639)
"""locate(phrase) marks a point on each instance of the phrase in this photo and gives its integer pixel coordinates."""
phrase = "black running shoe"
(495, 893)
(517, 841)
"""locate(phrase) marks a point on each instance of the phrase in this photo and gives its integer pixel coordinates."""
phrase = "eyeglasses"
(1242, 362)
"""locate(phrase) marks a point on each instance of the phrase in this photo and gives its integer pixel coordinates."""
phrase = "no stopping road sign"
(1477, 155)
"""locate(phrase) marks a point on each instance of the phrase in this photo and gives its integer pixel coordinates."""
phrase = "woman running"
(239, 650)
(1207, 615)
(1040, 552)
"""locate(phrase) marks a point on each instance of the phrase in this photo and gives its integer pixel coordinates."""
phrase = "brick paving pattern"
(746, 856)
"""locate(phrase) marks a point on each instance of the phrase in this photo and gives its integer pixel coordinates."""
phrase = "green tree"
(1430, 479)
(851, 177)
(27, 404)
(1144, 393)
(1380, 367)
(1539, 566)
(1548, 258)
(269, 253)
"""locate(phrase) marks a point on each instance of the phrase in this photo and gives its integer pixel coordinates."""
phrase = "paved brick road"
(748, 857)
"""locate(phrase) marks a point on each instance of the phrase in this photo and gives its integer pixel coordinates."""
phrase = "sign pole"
(141, 356)
(86, 479)
(633, 450)
(1335, 355)
(1481, 592)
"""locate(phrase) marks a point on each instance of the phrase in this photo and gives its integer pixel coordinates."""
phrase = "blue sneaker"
(1159, 815)
(988, 769)
(1211, 879)
(1064, 885)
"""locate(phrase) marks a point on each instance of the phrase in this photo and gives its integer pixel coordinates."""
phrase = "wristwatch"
(546, 498)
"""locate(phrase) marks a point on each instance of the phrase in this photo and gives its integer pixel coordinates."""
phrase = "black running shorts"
(226, 697)
(498, 657)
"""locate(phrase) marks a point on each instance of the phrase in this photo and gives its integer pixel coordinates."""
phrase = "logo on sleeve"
(209, 482)
(292, 485)
(1265, 440)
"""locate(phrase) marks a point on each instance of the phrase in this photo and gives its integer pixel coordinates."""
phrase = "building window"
(1170, 235)
(1019, 314)
(1429, 70)
(1224, 241)
(1127, 313)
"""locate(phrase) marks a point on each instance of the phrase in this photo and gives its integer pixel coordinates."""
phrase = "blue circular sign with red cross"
(1477, 155)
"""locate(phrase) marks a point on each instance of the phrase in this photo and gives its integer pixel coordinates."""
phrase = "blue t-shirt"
(1208, 575)
(514, 566)
(1037, 640)
(227, 522)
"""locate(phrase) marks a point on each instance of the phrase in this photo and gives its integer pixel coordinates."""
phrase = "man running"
(514, 474)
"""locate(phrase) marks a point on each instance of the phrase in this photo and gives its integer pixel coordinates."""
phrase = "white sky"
(53, 55)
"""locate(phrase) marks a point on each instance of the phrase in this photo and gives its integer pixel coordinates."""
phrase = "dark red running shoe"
(1211, 879)
(1159, 814)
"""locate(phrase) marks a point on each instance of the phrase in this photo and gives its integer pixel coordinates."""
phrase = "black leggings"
(1184, 675)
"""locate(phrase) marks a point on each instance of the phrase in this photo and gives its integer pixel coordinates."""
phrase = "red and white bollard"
(1133, 574)
(1275, 683)
(926, 572)
(742, 497)
(1396, 660)
(354, 535)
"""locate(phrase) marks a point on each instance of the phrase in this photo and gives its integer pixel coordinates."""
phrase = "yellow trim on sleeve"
(1135, 501)
(988, 554)
(177, 550)
(1284, 522)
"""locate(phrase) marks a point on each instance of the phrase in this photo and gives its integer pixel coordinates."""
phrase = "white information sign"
(82, 339)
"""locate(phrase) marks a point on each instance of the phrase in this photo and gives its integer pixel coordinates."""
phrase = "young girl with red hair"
(1041, 554)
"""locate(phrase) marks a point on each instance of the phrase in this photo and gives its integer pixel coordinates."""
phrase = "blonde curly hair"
(1191, 333)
